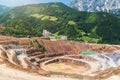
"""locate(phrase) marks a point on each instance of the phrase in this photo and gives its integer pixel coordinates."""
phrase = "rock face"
(12, 57)
(54, 47)
(2, 53)
(111, 6)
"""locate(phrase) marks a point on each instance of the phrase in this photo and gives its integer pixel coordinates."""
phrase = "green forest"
(60, 19)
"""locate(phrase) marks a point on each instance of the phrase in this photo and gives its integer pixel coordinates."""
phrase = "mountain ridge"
(110, 6)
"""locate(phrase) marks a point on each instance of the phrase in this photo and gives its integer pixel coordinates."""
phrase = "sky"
(13, 3)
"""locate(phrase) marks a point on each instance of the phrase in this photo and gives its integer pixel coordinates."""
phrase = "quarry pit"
(68, 58)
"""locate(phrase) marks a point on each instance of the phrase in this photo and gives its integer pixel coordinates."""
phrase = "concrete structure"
(46, 33)
(52, 38)
(64, 38)
(1, 27)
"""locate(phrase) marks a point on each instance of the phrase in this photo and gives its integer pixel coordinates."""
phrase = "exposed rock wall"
(54, 47)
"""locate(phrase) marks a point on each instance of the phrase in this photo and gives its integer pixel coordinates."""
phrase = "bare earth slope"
(45, 56)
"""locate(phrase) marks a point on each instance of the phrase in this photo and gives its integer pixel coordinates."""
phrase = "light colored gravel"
(13, 74)
(115, 77)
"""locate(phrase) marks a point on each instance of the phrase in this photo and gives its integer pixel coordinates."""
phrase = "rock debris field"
(39, 59)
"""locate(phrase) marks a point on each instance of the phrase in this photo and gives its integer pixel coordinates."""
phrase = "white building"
(64, 38)
(46, 33)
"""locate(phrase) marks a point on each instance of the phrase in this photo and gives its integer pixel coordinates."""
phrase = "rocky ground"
(7, 73)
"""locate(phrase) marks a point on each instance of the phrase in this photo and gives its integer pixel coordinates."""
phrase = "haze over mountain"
(13, 3)
(110, 6)
(3, 9)
(61, 20)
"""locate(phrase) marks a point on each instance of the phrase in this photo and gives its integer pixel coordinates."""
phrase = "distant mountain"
(3, 9)
(110, 6)
(61, 20)
(31, 10)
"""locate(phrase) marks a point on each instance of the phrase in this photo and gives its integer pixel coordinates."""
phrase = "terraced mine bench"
(64, 56)
(14, 58)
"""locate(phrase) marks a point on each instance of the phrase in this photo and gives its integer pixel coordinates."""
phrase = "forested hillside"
(61, 20)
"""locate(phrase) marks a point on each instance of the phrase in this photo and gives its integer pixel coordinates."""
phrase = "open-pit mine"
(70, 59)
